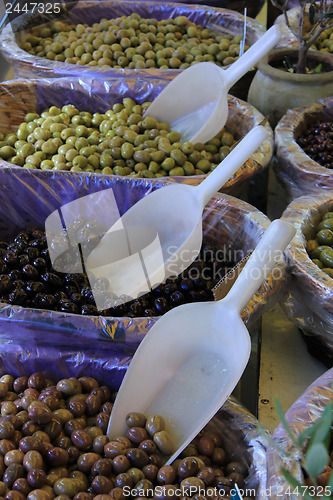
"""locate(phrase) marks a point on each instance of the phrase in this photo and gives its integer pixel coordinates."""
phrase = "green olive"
(325, 224)
(326, 257)
(325, 237)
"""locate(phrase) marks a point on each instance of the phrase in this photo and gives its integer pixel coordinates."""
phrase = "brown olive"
(67, 486)
(114, 448)
(14, 495)
(63, 442)
(166, 475)
(33, 460)
(163, 442)
(150, 472)
(138, 458)
(123, 479)
(31, 443)
(5, 446)
(236, 467)
(136, 474)
(82, 495)
(13, 472)
(53, 428)
(217, 439)
(40, 414)
(22, 485)
(20, 384)
(93, 403)
(103, 467)
(187, 467)
(121, 464)
(88, 383)
(207, 475)
(6, 429)
(56, 473)
(235, 477)
(155, 459)
(77, 408)
(219, 456)
(81, 477)
(81, 439)
(42, 436)
(86, 461)
(39, 494)
(101, 484)
(8, 379)
(102, 421)
(63, 415)
(155, 424)
(29, 428)
(124, 440)
(13, 457)
(137, 434)
(57, 457)
(69, 386)
(206, 446)
(98, 444)
(3, 389)
(135, 419)
(107, 408)
(36, 381)
(117, 494)
(36, 478)
(73, 454)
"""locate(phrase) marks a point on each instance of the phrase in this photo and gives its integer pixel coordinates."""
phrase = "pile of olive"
(324, 42)
(320, 249)
(133, 42)
(28, 279)
(317, 142)
(54, 444)
(120, 141)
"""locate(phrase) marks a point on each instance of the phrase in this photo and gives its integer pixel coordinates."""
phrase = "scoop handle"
(252, 56)
(261, 262)
(235, 159)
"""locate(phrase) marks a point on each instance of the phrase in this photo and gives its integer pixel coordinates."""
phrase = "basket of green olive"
(99, 127)
(304, 149)
(309, 300)
(106, 39)
(54, 443)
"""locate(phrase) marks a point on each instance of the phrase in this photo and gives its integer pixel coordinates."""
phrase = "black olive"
(23, 260)
(170, 288)
(44, 301)
(186, 285)
(66, 305)
(71, 289)
(34, 287)
(18, 296)
(37, 234)
(89, 310)
(149, 312)
(3, 267)
(39, 263)
(76, 298)
(18, 284)
(161, 305)
(51, 279)
(60, 295)
(32, 253)
(10, 258)
(88, 295)
(177, 298)
(6, 284)
(30, 272)
(3, 245)
(15, 275)
(136, 308)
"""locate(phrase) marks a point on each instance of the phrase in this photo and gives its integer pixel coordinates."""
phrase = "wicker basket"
(19, 97)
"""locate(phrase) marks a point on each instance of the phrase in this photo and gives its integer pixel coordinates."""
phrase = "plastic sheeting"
(28, 66)
(297, 172)
(306, 410)
(19, 97)
(308, 302)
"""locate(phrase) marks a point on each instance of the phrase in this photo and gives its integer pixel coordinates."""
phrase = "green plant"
(314, 18)
(313, 447)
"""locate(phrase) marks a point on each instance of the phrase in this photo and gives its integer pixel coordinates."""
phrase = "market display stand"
(280, 364)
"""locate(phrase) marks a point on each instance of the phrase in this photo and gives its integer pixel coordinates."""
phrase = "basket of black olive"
(54, 443)
(107, 39)
(95, 126)
(304, 149)
(37, 299)
(309, 299)
(303, 414)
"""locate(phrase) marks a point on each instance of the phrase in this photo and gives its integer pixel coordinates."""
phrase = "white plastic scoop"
(192, 358)
(161, 234)
(195, 103)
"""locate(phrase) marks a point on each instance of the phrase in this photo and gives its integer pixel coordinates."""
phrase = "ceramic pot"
(273, 91)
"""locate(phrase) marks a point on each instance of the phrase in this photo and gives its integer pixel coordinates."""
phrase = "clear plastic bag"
(18, 97)
(297, 172)
(308, 302)
(28, 66)
(306, 410)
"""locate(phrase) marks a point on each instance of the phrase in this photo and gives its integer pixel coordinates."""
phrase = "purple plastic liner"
(27, 65)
